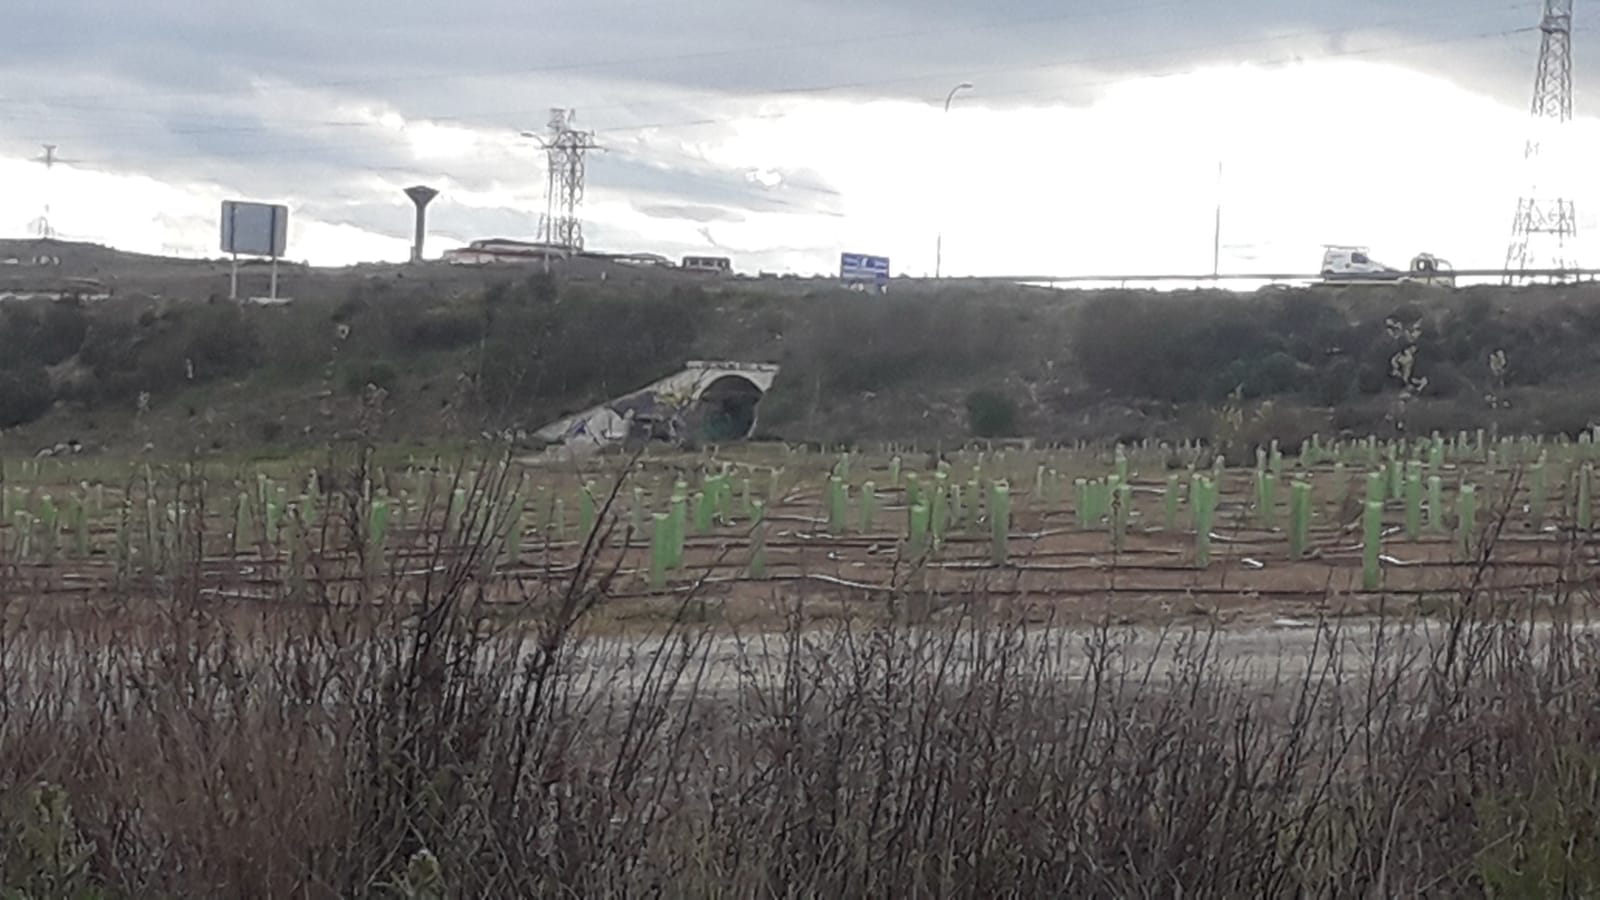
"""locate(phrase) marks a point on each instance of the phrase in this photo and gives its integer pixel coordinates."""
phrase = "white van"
(1354, 265)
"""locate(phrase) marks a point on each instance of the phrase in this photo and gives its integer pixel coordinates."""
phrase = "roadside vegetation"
(1072, 366)
(415, 728)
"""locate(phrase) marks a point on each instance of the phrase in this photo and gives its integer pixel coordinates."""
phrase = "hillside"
(459, 352)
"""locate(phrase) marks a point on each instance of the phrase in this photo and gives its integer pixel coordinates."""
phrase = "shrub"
(159, 351)
(42, 853)
(540, 357)
(1262, 376)
(1541, 841)
(378, 373)
(25, 395)
(218, 340)
(445, 329)
(1180, 351)
(1236, 429)
(110, 351)
(1447, 380)
(991, 414)
(1336, 382)
(43, 333)
(852, 344)
(1310, 326)
(536, 290)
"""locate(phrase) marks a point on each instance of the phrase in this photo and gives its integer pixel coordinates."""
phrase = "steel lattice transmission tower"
(565, 148)
(1546, 223)
(41, 226)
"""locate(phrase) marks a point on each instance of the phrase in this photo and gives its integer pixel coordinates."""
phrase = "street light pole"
(938, 251)
(1216, 232)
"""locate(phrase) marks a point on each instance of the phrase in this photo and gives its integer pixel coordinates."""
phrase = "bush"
(42, 333)
(218, 340)
(377, 373)
(1236, 433)
(1156, 347)
(991, 414)
(162, 350)
(110, 351)
(445, 329)
(1338, 381)
(1262, 376)
(540, 358)
(25, 395)
(850, 344)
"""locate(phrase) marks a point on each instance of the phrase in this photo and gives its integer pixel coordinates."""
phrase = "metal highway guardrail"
(1560, 275)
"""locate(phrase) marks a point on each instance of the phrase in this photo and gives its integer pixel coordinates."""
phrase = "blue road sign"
(856, 268)
(856, 271)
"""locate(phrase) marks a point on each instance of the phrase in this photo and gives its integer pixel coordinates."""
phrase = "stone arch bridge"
(708, 402)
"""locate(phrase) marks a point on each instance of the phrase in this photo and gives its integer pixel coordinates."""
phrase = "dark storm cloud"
(428, 60)
(256, 97)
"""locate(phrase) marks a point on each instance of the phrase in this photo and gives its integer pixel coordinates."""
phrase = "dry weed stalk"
(406, 736)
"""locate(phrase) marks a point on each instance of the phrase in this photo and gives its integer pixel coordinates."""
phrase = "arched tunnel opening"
(726, 410)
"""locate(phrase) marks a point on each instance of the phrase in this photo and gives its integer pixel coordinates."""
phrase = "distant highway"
(1494, 275)
(103, 271)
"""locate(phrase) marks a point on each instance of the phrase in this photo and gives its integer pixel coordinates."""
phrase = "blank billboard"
(254, 229)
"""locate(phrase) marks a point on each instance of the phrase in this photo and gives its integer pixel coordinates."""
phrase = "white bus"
(719, 265)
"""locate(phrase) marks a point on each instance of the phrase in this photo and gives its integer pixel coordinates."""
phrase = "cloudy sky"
(781, 132)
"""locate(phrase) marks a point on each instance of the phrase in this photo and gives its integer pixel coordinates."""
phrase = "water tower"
(420, 195)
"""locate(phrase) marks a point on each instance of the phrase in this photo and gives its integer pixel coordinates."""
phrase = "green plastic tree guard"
(1585, 511)
(660, 549)
(1371, 546)
(1299, 518)
(1467, 527)
(1204, 505)
(1000, 521)
(1413, 505)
